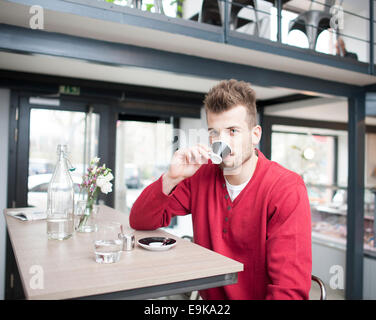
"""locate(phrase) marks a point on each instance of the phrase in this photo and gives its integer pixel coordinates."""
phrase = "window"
(48, 128)
(320, 157)
(313, 154)
(143, 153)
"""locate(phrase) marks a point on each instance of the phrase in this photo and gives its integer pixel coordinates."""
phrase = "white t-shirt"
(234, 191)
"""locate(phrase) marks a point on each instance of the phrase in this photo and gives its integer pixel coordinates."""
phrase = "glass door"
(143, 152)
(49, 128)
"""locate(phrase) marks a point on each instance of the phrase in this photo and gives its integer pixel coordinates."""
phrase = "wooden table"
(52, 269)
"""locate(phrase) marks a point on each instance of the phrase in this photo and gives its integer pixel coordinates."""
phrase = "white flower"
(104, 183)
(107, 187)
(109, 177)
(101, 181)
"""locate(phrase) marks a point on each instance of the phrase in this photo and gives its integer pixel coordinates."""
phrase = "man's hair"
(231, 93)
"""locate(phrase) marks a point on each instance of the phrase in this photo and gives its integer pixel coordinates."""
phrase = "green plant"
(149, 7)
(179, 8)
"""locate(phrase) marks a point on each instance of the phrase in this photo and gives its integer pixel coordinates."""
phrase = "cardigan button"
(226, 196)
(224, 230)
(229, 208)
(226, 219)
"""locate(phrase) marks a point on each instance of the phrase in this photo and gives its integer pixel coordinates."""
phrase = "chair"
(158, 6)
(321, 285)
(313, 22)
(213, 12)
(136, 4)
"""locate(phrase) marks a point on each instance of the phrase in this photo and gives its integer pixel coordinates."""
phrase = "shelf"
(335, 187)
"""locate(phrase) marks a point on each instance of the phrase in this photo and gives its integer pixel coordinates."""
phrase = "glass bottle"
(60, 200)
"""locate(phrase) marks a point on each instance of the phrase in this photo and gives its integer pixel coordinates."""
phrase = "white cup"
(220, 150)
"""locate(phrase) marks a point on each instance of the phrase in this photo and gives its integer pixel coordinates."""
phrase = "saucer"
(156, 243)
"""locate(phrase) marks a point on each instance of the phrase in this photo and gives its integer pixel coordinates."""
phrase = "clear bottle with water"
(60, 200)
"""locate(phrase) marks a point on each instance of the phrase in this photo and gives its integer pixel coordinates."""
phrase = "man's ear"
(256, 135)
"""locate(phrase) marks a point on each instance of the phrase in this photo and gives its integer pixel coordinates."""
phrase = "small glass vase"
(86, 216)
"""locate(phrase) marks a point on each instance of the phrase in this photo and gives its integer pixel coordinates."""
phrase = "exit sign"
(75, 91)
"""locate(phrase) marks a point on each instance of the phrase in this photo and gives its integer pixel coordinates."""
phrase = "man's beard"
(235, 169)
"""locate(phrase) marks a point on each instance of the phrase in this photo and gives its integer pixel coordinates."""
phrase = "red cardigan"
(267, 227)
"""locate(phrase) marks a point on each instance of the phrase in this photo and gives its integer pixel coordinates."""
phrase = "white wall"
(369, 279)
(325, 257)
(4, 120)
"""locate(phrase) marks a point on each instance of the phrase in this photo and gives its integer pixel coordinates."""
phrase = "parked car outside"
(38, 187)
(132, 176)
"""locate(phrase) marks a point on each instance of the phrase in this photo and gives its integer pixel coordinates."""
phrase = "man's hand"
(184, 164)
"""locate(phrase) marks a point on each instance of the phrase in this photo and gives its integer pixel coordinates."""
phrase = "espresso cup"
(220, 150)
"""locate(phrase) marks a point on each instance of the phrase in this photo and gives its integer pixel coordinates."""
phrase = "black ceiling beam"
(47, 84)
(284, 99)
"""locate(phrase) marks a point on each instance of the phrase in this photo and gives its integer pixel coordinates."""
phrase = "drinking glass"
(108, 244)
(85, 217)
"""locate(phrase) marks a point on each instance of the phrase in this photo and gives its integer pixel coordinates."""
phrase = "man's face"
(233, 127)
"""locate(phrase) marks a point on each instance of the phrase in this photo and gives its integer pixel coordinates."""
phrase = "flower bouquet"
(96, 179)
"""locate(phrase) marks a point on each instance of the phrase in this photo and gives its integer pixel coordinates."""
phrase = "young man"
(248, 208)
